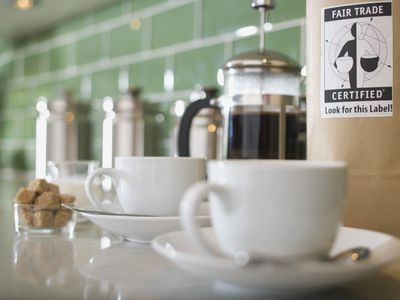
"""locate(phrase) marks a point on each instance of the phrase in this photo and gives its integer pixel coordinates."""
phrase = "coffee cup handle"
(190, 204)
(89, 186)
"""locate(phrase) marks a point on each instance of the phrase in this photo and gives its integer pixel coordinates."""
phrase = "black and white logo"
(357, 58)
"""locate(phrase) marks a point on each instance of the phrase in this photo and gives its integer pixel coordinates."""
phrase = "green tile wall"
(34, 64)
(20, 99)
(8, 129)
(28, 160)
(190, 37)
(29, 127)
(108, 12)
(141, 4)
(14, 99)
(62, 57)
(70, 25)
(6, 70)
(174, 26)
(288, 9)
(6, 158)
(46, 90)
(89, 49)
(105, 83)
(279, 41)
(125, 41)
(72, 84)
(198, 66)
(148, 74)
(224, 16)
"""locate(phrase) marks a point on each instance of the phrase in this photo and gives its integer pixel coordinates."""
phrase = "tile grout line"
(127, 6)
(20, 66)
(198, 19)
(142, 56)
(75, 54)
(12, 174)
(168, 96)
(45, 62)
(147, 34)
(106, 41)
(16, 116)
(14, 142)
(228, 50)
(288, 24)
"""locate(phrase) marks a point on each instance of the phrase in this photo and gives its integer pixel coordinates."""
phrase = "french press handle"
(186, 123)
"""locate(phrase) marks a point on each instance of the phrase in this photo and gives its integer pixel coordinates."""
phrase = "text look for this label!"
(357, 60)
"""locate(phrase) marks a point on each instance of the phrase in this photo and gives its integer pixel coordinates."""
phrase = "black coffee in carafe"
(255, 135)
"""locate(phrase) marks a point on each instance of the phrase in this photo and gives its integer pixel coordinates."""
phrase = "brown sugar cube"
(38, 186)
(61, 217)
(47, 200)
(24, 196)
(43, 218)
(26, 216)
(53, 188)
(67, 199)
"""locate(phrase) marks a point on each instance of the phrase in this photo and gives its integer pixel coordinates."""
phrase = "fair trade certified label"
(357, 60)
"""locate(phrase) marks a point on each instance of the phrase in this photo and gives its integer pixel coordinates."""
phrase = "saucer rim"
(91, 211)
(371, 264)
(139, 229)
(304, 277)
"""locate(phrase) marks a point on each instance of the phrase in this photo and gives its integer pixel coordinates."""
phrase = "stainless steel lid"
(62, 103)
(130, 101)
(266, 60)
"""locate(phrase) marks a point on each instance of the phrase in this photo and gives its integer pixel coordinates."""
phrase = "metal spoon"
(352, 255)
(356, 254)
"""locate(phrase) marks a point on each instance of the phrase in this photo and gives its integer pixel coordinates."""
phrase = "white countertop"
(95, 264)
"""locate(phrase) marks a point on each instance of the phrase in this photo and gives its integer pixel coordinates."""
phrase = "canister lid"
(267, 60)
(130, 101)
(64, 102)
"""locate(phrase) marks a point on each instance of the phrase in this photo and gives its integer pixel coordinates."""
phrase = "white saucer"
(139, 228)
(302, 277)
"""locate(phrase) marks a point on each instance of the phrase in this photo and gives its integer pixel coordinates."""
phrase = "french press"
(259, 104)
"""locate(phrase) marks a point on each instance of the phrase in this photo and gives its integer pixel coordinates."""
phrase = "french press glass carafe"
(259, 104)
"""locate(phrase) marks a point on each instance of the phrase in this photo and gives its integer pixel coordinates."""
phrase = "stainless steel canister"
(62, 135)
(129, 125)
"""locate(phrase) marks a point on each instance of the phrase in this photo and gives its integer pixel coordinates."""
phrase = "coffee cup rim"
(73, 162)
(159, 158)
(271, 163)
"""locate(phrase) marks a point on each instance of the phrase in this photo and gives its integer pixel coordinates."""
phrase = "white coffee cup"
(267, 208)
(149, 185)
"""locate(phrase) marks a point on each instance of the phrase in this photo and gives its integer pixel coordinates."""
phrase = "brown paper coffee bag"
(353, 96)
